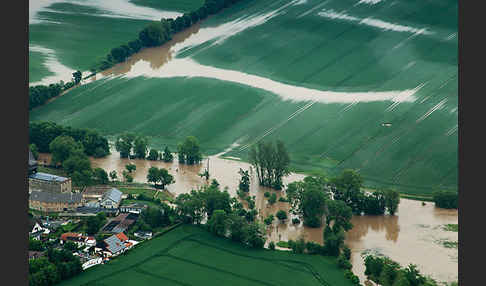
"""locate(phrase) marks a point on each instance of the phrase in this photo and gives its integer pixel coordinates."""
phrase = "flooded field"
(414, 235)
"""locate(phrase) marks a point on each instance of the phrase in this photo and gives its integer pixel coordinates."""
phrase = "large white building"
(111, 199)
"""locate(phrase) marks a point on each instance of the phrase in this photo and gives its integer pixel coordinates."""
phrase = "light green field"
(191, 256)
(37, 70)
(416, 155)
(182, 6)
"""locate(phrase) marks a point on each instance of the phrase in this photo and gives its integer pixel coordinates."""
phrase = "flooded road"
(414, 235)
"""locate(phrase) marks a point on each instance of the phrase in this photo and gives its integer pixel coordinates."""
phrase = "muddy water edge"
(414, 235)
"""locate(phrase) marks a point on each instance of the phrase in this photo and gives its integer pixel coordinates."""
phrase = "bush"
(343, 262)
(266, 194)
(272, 199)
(346, 252)
(283, 199)
(313, 248)
(445, 199)
(282, 215)
(295, 221)
(269, 219)
(271, 245)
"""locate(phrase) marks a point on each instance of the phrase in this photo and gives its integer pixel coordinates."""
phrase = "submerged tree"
(124, 144)
(271, 163)
(167, 155)
(189, 151)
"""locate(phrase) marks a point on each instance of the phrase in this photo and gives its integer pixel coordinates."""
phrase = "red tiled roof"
(121, 236)
(65, 236)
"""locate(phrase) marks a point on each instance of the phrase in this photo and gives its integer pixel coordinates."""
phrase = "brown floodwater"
(413, 235)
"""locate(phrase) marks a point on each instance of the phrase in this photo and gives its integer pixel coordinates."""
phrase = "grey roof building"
(114, 244)
(111, 198)
(54, 202)
(48, 177)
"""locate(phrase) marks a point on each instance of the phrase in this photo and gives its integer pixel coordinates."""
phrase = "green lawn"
(191, 256)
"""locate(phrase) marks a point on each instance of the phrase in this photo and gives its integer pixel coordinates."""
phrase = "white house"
(111, 199)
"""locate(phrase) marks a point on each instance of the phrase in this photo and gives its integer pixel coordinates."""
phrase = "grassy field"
(72, 30)
(168, 259)
(330, 46)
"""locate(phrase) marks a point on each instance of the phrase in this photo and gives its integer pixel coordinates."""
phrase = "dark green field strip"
(160, 260)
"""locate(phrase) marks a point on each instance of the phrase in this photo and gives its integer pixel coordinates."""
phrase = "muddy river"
(413, 235)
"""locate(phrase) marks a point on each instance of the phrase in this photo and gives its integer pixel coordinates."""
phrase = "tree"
(71, 246)
(153, 175)
(140, 147)
(217, 224)
(244, 181)
(374, 204)
(153, 155)
(113, 176)
(189, 151)
(256, 237)
(333, 240)
(127, 176)
(124, 144)
(271, 245)
(165, 178)
(272, 199)
(62, 147)
(101, 177)
(167, 155)
(94, 223)
(313, 206)
(347, 188)
(340, 214)
(153, 35)
(445, 199)
(190, 207)
(135, 45)
(269, 219)
(34, 150)
(266, 194)
(392, 200)
(282, 215)
(237, 228)
(271, 163)
(77, 77)
(130, 167)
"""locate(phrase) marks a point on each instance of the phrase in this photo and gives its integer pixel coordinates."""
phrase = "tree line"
(41, 134)
(160, 32)
(56, 266)
(131, 146)
(40, 94)
(387, 272)
(446, 199)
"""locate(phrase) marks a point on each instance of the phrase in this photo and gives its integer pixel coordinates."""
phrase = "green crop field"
(188, 255)
(337, 46)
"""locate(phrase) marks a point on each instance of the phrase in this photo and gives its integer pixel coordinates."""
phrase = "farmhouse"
(111, 199)
(54, 202)
(78, 238)
(49, 183)
(114, 245)
(120, 223)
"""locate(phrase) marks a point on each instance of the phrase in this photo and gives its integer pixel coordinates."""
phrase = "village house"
(54, 202)
(117, 244)
(78, 238)
(37, 230)
(50, 183)
(111, 199)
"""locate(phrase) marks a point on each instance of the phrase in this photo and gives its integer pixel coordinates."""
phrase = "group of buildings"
(50, 193)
